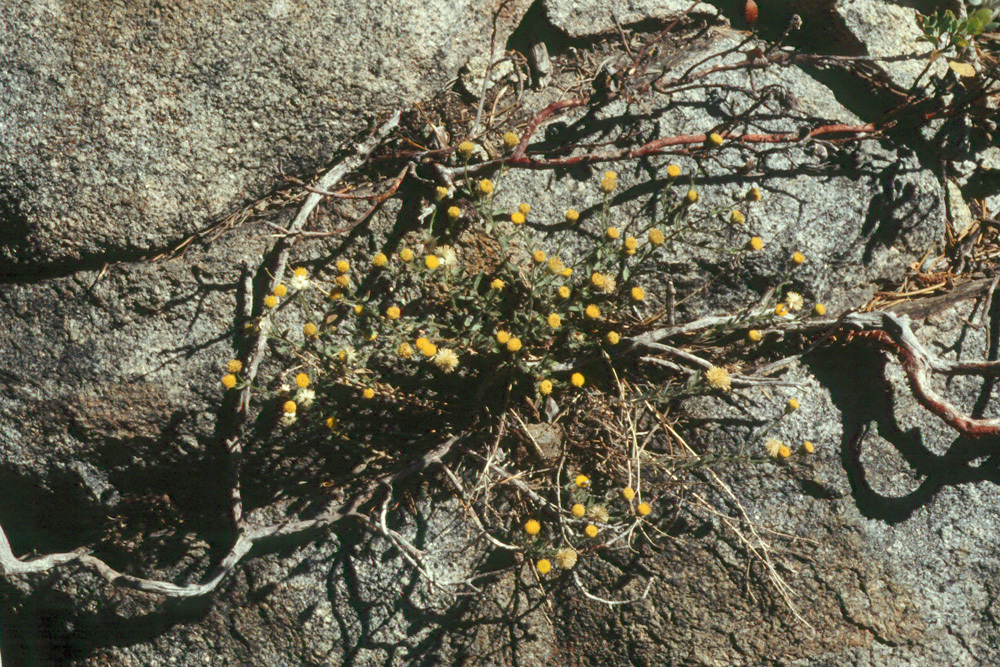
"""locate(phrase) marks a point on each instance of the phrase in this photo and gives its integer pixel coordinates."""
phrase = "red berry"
(751, 12)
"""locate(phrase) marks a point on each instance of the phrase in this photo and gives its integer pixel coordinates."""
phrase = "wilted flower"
(718, 378)
(446, 360)
(566, 558)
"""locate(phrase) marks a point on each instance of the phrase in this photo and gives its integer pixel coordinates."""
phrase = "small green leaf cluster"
(959, 32)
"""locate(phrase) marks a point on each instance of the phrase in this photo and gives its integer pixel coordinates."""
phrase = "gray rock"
(579, 18)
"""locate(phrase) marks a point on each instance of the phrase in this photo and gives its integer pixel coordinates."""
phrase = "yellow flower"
(784, 452)
(754, 195)
(754, 335)
(563, 292)
(578, 510)
(406, 255)
(798, 258)
(715, 139)
(737, 217)
(691, 196)
(532, 527)
(612, 337)
(270, 301)
(309, 329)
(781, 310)
(572, 215)
(368, 393)
(643, 509)
(429, 350)
(517, 218)
(229, 381)
(582, 481)
(756, 243)
(609, 182)
(486, 186)
(432, 262)
(598, 280)
(511, 140)
(590, 531)
(554, 321)
(331, 422)
(524, 209)
(358, 309)
(566, 272)
(405, 350)
(792, 405)
(538, 256)
(372, 335)
(718, 378)
(497, 284)
(819, 309)
(592, 311)
(465, 149)
(503, 337)
(343, 280)
(289, 407)
(234, 366)
(280, 290)
(773, 447)
(335, 295)
(555, 266)
(673, 171)
(392, 312)
(566, 558)
(302, 380)
(577, 379)
(380, 260)
(628, 493)
(446, 360)
(514, 344)
(638, 294)
(545, 387)
(808, 447)
(343, 266)
(656, 236)
(300, 272)
(454, 212)
(612, 233)
(544, 566)
(630, 245)
(440, 192)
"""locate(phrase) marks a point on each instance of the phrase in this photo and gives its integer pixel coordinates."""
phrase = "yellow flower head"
(715, 139)
(572, 215)
(545, 387)
(598, 280)
(309, 329)
(440, 192)
(792, 405)
(532, 527)
(718, 378)
(577, 379)
(808, 447)
(582, 481)
(781, 310)
(234, 366)
(612, 337)
(486, 186)
(358, 309)
(380, 260)
(628, 493)
(756, 243)
(563, 292)
(578, 510)
(289, 407)
(544, 566)
(554, 321)
(691, 197)
(784, 452)
(643, 509)
(524, 209)
(392, 312)
(229, 381)
(638, 294)
(630, 245)
(514, 344)
(798, 258)
(737, 217)
(302, 380)
(517, 218)
(754, 195)
(331, 422)
(612, 233)
(421, 343)
(566, 272)
(343, 280)
(566, 558)
(300, 272)
(754, 336)
(538, 256)
(406, 255)
(368, 393)
(335, 295)
(432, 262)
(497, 284)
(555, 266)
(270, 301)
(656, 236)
(503, 337)
(609, 182)
(465, 149)
(454, 212)
(280, 290)
(343, 266)
(405, 350)
(593, 312)
(429, 350)
(511, 140)
(673, 171)
(819, 309)
(590, 531)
